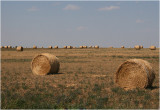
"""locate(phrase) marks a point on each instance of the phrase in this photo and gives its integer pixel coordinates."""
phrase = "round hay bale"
(2, 47)
(96, 46)
(9, 47)
(56, 47)
(34, 47)
(65, 47)
(153, 47)
(80, 47)
(122, 46)
(19, 48)
(90, 46)
(84, 46)
(69, 47)
(111, 47)
(44, 64)
(74, 47)
(137, 47)
(141, 46)
(50, 47)
(5, 47)
(135, 73)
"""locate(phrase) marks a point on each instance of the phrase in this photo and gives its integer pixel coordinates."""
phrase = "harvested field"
(85, 80)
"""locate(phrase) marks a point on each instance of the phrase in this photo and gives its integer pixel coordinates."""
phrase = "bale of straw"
(80, 47)
(137, 47)
(85, 46)
(135, 73)
(2, 47)
(5, 47)
(56, 47)
(65, 47)
(110, 47)
(122, 46)
(96, 46)
(44, 64)
(19, 48)
(141, 46)
(34, 47)
(9, 47)
(153, 47)
(69, 47)
(50, 47)
(74, 47)
(90, 46)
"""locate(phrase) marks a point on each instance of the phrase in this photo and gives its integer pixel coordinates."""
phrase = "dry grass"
(85, 80)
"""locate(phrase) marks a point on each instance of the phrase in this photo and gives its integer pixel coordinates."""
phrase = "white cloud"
(33, 8)
(71, 7)
(109, 8)
(81, 28)
(139, 21)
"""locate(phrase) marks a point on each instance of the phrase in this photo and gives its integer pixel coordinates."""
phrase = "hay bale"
(34, 47)
(19, 48)
(96, 46)
(50, 47)
(65, 47)
(74, 47)
(81, 47)
(141, 46)
(44, 64)
(135, 73)
(110, 47)
(2, 47)
(85, 46)
(9, 47)
(137, 47)
(5, 47)
(56, 47)
(122, 46)
(69, 47)
(90, 46)
(152, 47)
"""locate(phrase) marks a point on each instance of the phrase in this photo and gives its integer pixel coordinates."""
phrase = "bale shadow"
(153, 87)
(55, 73)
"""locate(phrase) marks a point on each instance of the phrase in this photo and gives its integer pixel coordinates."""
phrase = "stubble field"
(85, 80)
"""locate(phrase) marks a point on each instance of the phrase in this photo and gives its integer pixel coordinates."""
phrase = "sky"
(75, 23)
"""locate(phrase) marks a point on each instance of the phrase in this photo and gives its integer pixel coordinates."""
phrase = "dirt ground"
(85, 80)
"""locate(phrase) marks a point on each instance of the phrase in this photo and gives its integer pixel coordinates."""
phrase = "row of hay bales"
(138, 47)
(133, 73)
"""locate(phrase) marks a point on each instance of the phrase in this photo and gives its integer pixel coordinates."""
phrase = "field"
(85, 80)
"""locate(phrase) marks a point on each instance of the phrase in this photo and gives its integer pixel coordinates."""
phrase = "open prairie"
(85, 80)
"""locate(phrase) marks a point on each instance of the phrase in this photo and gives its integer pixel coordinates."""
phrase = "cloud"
(109, 8)
(81, 28)
(33, 8)
(71, 7)
(139, 21)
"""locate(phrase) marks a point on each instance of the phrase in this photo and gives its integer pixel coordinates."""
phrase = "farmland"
(85, 80)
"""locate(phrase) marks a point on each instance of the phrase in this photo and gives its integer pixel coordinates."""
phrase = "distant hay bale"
(74, 47)
(5, 47)
(96, 46)
(50, 47)
(141, 46)
(135, 73)
(34, 47)
(19, 48)
(44, 64)
(152, 47)
(65, 47)
(80, 47)
(90, 46)
(110, 47)
(137, 47)
(2, 47)
(56, 47)
(85, 46)
(9, 47)
(69, 47)
(122, 46)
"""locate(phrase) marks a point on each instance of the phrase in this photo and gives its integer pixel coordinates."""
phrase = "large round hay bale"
(65, 47)
(135, 73)
(34, 47)
(96, 46)
(137, 47)
(9, 47)
(2, 47)
(122, 46)
(141, 46)
(90, 46)
(50, 47)
(69, 47)
(80, 47)
(153, 47)
(5, 47)
(85, 46)
(44, 64)
(110, 47)
(56, 47)
(19, 48)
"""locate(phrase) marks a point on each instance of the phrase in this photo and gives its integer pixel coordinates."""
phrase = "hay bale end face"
(96, 46)
(137, 47)
(34, 47)
(9, 47)
(5, 47)
(56, 47)
(65, 47)
(122, 46)
(135, 73)
(19, 48)
(44, 64)
(153, 47)
(80, 47)
(50, 47)
(69, 47)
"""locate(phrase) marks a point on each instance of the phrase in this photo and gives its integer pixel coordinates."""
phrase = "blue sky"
(78, 23)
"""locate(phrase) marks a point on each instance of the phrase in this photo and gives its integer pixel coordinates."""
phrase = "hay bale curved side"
(122, 46)
(34, 47)
(65, 47)
(135, 73)
(5, 47)
(44, 64)
(141, 46)
(80, 47)
(152, 47)
(56, 47)
(137, 47)
(96, 46)
(19, 48)
(50, 47)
